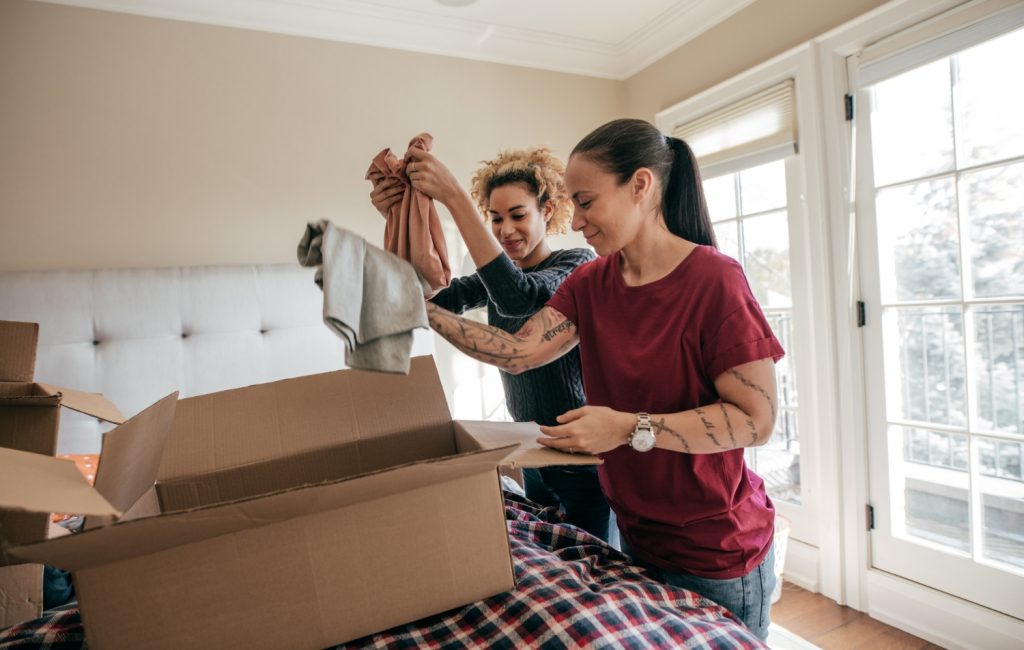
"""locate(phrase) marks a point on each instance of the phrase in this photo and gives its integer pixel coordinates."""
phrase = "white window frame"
(815, 520)
(925, 612)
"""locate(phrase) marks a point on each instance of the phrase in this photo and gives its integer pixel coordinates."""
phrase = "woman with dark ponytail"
(678, 368)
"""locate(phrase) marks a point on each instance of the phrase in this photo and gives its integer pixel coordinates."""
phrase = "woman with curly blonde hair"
(521, 195)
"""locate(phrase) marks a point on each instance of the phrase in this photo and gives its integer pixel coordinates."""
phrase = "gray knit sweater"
(512, 295)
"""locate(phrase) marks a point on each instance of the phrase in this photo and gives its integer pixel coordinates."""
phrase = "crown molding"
(366, 23)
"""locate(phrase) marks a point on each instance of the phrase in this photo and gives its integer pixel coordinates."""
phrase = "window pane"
(1002, 499)
(999, 362)
(918, 241)
(778, 461)
(782, 325)
(912, 124)
(935, 503)
(763, 188)
(728, 240)
(766, 244)
(993, 202)
(720, 193)
(930, 364)
(988, 101)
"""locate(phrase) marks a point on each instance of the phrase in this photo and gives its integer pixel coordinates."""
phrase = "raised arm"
(744, 417)
(545, 337)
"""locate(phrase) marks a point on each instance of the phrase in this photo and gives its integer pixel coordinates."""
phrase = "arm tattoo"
(483, 342)
(753, 431)
(728, 424)
(708, 426)
(661, 427)
(556, 330)
(749, 384)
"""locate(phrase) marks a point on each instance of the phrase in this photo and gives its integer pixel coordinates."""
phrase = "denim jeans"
(748, 597)
(576, 491)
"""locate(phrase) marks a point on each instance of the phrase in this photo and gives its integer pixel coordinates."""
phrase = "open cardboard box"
(29, 421)
(301, 513)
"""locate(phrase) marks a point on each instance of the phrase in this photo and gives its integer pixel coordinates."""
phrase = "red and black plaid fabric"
(572, 591)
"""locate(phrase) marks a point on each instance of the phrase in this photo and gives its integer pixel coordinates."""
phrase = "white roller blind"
(751, 131)
(948, 33)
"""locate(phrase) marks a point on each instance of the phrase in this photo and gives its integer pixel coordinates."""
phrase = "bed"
(137, 334)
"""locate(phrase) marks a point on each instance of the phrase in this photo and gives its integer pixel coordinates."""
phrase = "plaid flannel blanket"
(572, 591)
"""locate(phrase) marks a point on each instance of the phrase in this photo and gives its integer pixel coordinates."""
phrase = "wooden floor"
(821, 621)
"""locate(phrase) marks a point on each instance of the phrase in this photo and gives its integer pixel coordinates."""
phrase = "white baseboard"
(940, 618)
(802, 565)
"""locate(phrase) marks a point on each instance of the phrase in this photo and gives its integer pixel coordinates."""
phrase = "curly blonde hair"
(539, 169)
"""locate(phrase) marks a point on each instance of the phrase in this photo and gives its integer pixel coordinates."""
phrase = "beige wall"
(753, 35)
(131, 141)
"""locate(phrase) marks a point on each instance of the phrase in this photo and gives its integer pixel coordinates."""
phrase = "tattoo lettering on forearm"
(708, 426)
(749, 384)
(753, 431)
(556, 330)
(661, 427)
(728, 424)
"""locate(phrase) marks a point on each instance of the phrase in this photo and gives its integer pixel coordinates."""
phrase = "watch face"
(643, 440)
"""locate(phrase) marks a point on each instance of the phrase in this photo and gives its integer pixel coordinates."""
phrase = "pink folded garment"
(413, 230)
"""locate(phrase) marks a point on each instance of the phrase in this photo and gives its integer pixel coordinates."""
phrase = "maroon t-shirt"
(658, 348)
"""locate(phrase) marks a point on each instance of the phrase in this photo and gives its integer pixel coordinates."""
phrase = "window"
(751, 223)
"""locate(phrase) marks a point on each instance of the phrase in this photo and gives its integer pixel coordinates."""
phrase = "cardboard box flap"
(243, 426)
(18, 350)
(36, 483)
(131, 454)
(92, 404)
(140, 537)
(530, 452)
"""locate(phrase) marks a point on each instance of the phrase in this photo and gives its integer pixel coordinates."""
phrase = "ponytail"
(623, 146)
(683, 203)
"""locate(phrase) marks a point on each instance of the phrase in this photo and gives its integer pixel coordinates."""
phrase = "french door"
(940, 230)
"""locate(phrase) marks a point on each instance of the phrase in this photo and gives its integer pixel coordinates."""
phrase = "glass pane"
(999, 362)
(918, 241)
(993, 202)
(720, 193)
(782, 325)
(912, 125)
(763, 188)
(728, 239)
(778, 461)
(932, 377)
(1002, 500)
(766, 244)
(987, 128)
(935, 503)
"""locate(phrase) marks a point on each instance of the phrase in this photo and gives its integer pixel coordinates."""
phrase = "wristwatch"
(642, 438)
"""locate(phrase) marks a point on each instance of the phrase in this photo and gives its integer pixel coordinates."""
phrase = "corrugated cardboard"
(32, 483)
(29, 421)
(300, 514)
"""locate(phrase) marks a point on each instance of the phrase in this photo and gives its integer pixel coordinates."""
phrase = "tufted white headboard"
(136, 335)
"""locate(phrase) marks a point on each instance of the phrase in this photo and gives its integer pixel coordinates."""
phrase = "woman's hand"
(386, 194)
(430, 176)
(589, 429)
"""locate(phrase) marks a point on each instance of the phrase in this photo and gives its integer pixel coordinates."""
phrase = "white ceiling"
(602, 38)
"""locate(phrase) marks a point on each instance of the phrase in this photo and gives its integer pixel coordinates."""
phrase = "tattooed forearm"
(749, 384)
(661, 427)
(488, 344)
(708, 426)
(753, 431)
(728, 424)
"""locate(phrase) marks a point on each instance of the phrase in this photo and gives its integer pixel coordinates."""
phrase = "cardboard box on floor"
(29, 421)
(33, 483)
(301, 513)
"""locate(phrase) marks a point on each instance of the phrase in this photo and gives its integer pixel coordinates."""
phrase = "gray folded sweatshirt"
(373, 300)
